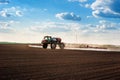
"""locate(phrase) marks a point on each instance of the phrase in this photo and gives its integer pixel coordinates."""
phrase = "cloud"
(47, 27)
(46, 30)
(106, 8)
(5, 27)
(68, 16)
(19, 13)
(87, 5)
(89, 16)
(4, 2)
(103, 26)
(6, 30)
(54, 27)
(5, 14)
(77, 0)
(13, 11)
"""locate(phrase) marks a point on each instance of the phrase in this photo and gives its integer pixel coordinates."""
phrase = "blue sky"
(75, 21)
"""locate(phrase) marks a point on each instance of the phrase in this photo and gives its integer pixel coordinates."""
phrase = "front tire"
(45, 46)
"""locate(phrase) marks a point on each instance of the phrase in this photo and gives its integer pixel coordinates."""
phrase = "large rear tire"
(53, 46)
(62, 45)
(45, 46)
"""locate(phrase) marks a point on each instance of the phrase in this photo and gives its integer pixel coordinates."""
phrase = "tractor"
(53, 42)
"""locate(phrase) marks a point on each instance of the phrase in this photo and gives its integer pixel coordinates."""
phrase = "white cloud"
(19, 13)
(87, 5)
(103, 26)
(68, 16)
(106, 8)
(13, 11)
(54, 27)
(5, 14)
(6, 27)
(102, 8)
(6, 30)
(106, 25)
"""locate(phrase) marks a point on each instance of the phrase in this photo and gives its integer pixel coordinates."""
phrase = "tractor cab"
(48, 38)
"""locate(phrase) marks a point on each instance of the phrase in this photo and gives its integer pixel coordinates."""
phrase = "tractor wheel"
(45, 46)
(61, 45)
(53, 46)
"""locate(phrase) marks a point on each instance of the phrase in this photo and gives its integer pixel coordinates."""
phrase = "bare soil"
(20, 62)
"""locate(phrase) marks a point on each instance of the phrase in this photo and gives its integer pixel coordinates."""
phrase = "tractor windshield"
(47, 38)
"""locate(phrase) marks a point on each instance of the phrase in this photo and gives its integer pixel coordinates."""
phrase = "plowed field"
(20, 62)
